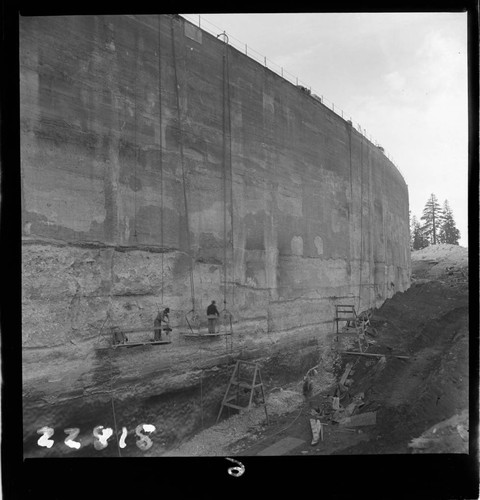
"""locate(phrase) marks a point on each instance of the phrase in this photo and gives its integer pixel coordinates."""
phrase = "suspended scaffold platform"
(120, 339)
(136, 344)
(222, 328)
(204, 335)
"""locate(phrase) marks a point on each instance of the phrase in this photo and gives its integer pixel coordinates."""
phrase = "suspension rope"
(224, 126)
(351, 212)
(361, 226)
(231, 174)
(115, 425)
(384, 202)
(350, 153)
(192, 289)
(112, 399)
(201, 393)
(161, 150)
(227, 145)
(136, 152)
(110, 354)
(370, 240)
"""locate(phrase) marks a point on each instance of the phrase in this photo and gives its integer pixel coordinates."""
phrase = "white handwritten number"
(122, 443)
(101, 436)
(236, 471)
(144, 443)
(44, 440)
(72, 434)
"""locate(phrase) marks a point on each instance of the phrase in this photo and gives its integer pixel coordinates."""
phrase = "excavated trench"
(177, 413)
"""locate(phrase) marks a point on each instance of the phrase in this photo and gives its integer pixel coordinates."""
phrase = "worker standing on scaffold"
(162, 316)
(212, 315)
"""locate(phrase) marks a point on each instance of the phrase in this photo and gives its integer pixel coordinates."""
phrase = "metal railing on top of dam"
(216, 31)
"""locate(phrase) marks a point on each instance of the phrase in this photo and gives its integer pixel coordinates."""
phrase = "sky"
(401, 76)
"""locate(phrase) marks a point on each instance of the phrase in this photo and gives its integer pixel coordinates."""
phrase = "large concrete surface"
(161, 166)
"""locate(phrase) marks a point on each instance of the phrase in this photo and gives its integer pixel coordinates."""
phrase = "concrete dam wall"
(162, 167)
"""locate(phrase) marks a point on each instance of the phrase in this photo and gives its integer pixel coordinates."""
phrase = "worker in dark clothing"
(118, 336)
(212, 315)
(166, 321)
(157, 327)
(162, 316)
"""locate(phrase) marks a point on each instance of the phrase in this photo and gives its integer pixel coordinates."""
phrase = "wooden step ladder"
(238, 382)
(345, 312)
(359, 322)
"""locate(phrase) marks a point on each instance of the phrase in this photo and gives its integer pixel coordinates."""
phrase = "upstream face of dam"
(161, 167)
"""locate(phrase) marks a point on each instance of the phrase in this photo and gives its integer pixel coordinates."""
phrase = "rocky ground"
(417, 403)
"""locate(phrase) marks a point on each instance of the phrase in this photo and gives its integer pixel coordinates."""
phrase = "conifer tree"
(418, 239)
(412, 220)
(432, 216)
(448, 231)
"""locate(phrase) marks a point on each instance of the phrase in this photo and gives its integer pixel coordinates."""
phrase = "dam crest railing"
(216, 31)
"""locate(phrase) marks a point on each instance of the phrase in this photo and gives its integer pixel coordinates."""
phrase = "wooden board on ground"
(281, 447)
(346, 373)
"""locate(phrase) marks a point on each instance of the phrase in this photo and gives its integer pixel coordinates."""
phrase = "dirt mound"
(429, 323)
(448, 436)
(437, 261)
(454, 253)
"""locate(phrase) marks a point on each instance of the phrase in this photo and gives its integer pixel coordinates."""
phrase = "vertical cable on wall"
(350, 211)
(371, 220)
(231, 175)
(224, 154)
(192, 288)
(227, 166)
(384, 202)
(135, 149)
(361, 225)
(351, 183)
(115, 425)
(160, 150)
(112, 380)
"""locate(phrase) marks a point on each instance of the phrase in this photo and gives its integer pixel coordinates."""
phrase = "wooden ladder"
(345, 313)
(236, 381)
(360, 322)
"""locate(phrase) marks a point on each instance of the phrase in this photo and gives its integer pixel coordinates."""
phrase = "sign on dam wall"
(161, 167)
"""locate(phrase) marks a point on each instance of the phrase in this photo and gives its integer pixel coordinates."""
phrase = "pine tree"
(411, 227)
(418, 239)
(448, 231)
(432, 215)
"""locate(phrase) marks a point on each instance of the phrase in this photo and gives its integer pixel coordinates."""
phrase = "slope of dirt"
(437, 261)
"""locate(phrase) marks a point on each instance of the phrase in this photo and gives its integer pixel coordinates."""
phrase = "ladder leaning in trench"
(346, 313)
(239, 383)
